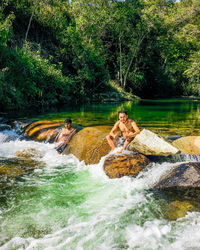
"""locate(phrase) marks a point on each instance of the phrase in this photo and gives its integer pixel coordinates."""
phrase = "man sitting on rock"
(65, 135)
(128, 128)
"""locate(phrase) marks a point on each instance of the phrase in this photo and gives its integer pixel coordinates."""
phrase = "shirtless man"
(65, 135)
(128, 128)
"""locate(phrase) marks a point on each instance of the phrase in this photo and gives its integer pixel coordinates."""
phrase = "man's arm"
(136, 129)
(114, 129)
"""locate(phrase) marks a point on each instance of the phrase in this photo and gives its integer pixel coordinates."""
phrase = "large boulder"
(117, 166)
(149, 143)
(188, 144)
(89, 144)
(43, 130)
(183, 180)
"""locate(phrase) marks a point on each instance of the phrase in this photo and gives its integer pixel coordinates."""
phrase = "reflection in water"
(178, 117)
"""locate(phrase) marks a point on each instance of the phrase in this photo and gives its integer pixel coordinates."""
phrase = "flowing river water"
(65, 204)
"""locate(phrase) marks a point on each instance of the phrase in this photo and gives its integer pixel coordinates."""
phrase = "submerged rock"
(28, 153)
(24, 162)
(188, 144)
(117, 166)
(183, 180)
(177, 209)
(15, 166)
(9, 169)
(90, 144)
(149, 143)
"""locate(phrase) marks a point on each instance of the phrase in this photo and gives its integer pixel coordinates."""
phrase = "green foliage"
(193, 71)
(32, 80)
(5, 28)
(56, 51)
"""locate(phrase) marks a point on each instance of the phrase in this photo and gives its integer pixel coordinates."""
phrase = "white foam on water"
(89, 210)
(3, 137)
(151, 235)
(186, 232)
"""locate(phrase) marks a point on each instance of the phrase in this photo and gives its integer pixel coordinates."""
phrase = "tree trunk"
(29, 24)
(131, 61)
(120, 62)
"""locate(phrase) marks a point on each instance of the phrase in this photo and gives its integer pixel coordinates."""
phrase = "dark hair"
(68, 120)
(122, 112)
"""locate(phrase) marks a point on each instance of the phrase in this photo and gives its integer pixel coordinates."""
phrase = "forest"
(54, 52)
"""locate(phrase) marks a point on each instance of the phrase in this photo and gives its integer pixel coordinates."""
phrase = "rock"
(188, 144)
(14, 167)
(183, 180)
(29, 153)
(149, 143)
(177, 209)
(43, 130)
(24, 162)
(10, 170)
(117, 166)
(89, 144)
(48, 135)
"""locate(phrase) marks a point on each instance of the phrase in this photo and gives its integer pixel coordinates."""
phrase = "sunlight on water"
(65, 204)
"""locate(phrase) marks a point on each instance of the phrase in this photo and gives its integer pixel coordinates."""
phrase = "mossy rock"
(177, 209)
(15, 166)
(10, 170)
(28, 153)
(24, 162)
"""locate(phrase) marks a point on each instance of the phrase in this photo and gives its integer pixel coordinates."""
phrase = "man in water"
(65, 135)
(128, 128)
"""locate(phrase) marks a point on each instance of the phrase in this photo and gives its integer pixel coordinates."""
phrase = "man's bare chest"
(125, 127)
(66, 132)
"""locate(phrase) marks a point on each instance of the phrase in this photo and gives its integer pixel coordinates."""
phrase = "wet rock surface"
(116, 166)
(29, 153)
(43, 130)
(149, 143)
(183, 181)
(24, 162)
(90, 144)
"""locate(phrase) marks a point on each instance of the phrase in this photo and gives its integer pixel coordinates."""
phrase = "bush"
(27, 79)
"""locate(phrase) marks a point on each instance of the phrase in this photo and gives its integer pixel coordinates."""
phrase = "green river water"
(65, 204)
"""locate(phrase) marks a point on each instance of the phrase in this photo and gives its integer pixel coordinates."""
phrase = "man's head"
(68, 123)
(122, 114)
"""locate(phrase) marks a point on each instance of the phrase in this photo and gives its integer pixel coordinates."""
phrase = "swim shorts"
(61, 148)
(120, 141)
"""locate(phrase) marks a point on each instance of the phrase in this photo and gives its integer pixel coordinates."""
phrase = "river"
(65, 204)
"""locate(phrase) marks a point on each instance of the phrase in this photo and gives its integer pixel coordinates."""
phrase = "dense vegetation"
(57, 51)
